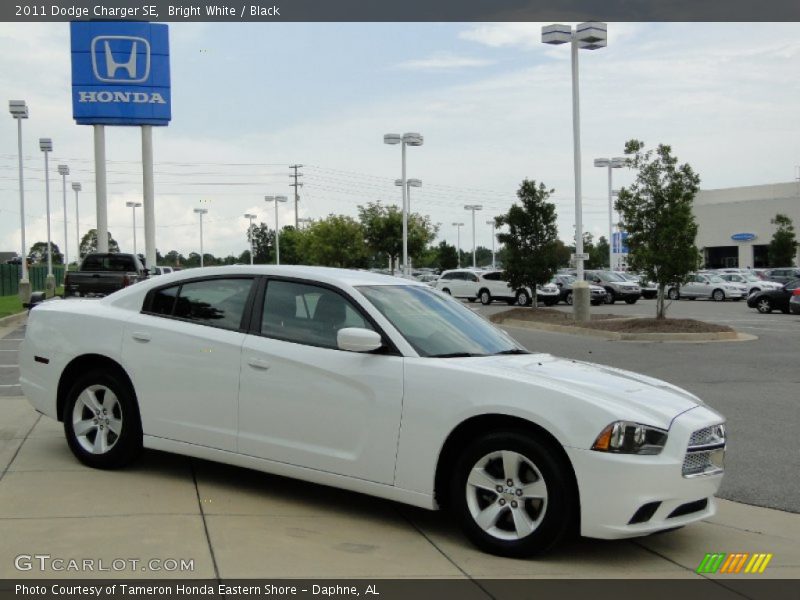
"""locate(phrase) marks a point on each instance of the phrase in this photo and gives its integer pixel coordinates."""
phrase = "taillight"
(796, 292)
(126, 281)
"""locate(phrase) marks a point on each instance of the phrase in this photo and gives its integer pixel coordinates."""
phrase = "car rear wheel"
(512, 495)
(764, 306)
(101, 420)
(630, 300)
(718, 296)
(568, 298)
(673, 294)
(610, 297)
(522, 298)
(485, 297)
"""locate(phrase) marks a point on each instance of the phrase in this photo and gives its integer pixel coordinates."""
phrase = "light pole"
(409, 184)
(201, 212)
(250, 233)
(586, 36)
(46, 146)
(610, 163)
(407, 139)
(133, 206)
(276, 200)
(19, 110)
(63, 170)
(305, 221)
(77, 187)
(473, 208)
(458, 227)
(492, 223)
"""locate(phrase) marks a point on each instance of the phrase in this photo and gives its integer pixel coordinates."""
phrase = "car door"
(183, 353)
(695, 287)
(304, 402)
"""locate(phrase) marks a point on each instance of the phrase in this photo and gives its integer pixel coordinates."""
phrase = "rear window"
(109, 262)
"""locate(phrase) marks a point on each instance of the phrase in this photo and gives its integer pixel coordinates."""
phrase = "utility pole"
(296, 185)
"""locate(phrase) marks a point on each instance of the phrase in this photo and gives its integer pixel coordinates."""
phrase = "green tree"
(446, 256)
(530, 256)
(783, 246)
(657, 214)
(89, 243)
(337, 241)
(598, 254)
(262, 240)
(38, 253)
(193, 260)
(173, 258)
(562, 251)
(383, 231)
(290, 244)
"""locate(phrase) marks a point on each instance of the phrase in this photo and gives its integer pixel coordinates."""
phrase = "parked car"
(708, 286)
(597, 294)
(794, 302)
(649, 289)
(160, 271)
(783, 275)
(377, 385)
(750, 281)
(101, 274)
(489, 285)
(766, 301)
(616, 286)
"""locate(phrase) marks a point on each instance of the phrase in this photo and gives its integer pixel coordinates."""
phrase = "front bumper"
(613, 487)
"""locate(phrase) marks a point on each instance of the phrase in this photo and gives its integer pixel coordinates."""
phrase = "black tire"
(610, 297)
(785, 311)
(446, 291)
(673, 294)
(127, 444)
(630, 300)
(522, 298)
(485, 297)
(718, 295)
(511, 302)
(557, 514)
(764, 306)
(568, 298)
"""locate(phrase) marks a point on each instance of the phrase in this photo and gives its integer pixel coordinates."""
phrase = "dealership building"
(734, 228)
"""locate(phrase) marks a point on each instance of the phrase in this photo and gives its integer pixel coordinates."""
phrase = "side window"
(493, 276)
(216, 302)
(447, 276)
(164, 301)
(307, 314)
(472, 277)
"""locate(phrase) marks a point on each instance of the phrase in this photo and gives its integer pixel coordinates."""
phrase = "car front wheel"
(673, 294)
(718, 296)
(764, 306)
(511, 495)
(522, 298)
(101, 420)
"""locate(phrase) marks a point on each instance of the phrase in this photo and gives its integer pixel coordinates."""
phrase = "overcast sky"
(492, 102)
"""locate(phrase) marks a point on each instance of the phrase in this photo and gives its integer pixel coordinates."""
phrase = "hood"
(625, 394)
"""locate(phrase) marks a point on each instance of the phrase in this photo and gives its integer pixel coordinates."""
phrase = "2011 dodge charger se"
(379, 385)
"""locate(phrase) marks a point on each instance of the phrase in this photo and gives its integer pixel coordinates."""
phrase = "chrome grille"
(706, 452)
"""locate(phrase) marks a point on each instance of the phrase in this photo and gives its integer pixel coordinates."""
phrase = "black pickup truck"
(102, 274)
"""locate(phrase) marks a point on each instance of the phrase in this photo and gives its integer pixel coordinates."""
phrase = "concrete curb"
(615, 336)
(13, 319)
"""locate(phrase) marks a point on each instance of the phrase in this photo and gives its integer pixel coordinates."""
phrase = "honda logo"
(121, 59)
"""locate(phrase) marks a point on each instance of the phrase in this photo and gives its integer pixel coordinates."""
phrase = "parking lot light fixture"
(201, 212)
(586, 36)
(473, 208)
(133, 206)
(407, 139)
(250, 233)
(458, 227)
(409, 184)
(46, 146)
(76, 186)
(63, 170)
(610, 163)
(19, 111)
(276, 200)
(492, 224)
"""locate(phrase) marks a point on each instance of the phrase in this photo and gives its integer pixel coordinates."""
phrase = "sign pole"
(149, 197)
(100, 187)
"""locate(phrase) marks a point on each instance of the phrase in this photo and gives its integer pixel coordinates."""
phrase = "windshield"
(607, 276)
(565, 279)
(436, 325)
(751, 277)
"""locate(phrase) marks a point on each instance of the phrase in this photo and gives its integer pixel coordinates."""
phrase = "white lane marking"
(10, 385)
(12, 339)
(8, 366)
(9, 350)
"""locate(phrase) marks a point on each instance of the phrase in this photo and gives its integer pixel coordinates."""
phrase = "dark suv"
(616, 286)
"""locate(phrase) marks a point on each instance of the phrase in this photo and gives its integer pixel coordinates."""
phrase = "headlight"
(624, 437)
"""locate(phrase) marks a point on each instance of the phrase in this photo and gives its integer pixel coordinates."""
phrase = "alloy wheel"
(97, 419)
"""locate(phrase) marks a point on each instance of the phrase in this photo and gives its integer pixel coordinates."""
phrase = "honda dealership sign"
(120, 73)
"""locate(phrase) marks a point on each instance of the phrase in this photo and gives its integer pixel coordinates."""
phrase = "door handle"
(141, 336)
(259, 364)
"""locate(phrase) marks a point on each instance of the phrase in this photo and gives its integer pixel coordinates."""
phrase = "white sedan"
(378, 385)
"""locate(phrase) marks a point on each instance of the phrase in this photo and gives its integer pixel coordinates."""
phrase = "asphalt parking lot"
(235, 523)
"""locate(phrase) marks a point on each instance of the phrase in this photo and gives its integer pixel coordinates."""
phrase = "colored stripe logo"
(734, 563)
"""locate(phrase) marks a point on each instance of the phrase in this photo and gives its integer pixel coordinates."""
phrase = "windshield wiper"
(512, 351)
(455, 355)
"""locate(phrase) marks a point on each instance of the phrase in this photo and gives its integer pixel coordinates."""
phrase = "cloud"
(444, 62)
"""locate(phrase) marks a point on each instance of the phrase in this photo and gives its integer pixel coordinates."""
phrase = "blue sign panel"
(743, 237)
(120, 73)
(619, 242)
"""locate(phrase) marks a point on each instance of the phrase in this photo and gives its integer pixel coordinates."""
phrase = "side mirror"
(357, 339)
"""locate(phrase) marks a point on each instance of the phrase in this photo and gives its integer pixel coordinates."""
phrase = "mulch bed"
(608, 322)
